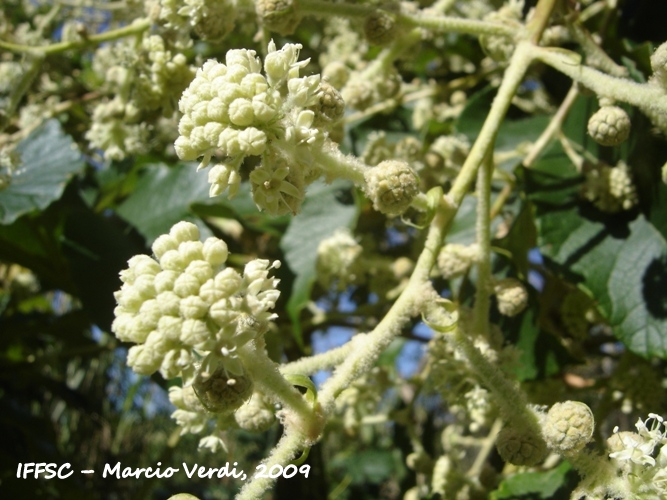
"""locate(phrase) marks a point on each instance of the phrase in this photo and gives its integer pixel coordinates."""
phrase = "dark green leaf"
(97, 248)
(49, 160)
(163, 197)
(621, 261)
(322, 213)
(536, 485)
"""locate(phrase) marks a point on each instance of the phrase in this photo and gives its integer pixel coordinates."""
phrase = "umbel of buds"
(186, 311)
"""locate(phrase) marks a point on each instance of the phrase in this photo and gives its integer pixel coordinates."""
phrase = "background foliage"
(69, 222)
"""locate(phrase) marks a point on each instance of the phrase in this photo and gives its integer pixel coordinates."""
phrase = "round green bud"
(391, 186)
(380, 27)
(221, 393)
(519, 447)
(512, 296)
(280, 16)
(330, 106)
(609, 126)
(568, 426)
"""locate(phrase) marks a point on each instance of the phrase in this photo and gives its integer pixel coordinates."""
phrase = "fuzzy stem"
(642, 95)
(138, 26)
(514, 74)
(286, 450)
(266, 376)
(485, 450)
(456, 25)
(321, 8)
(312, 364)
(483, 228)
(361, 360)
(510, 399)
(540, 19)
(337, 165)
(554, 126)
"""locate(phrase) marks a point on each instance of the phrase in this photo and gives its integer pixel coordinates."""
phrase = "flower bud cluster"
(500, 48)
(339, 260)
(211, 20)
(143, 82)
(281, 16)
(391, 186)
(611, 189)
(362, 398)
(640, 457)
(233, 111)
(455, 259)
(512, 296)
(361, 90)
(609, 126)
(377, 150)
(186, 305)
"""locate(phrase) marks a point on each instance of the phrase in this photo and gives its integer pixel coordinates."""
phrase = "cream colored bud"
(568, 426)
(391, 186)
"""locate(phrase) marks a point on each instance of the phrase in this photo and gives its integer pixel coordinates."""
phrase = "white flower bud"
(241, 113)
(164, 281)
(228, 282)
(194, 332)
(184, 231)
(172, 260)
(200, 270)
(143, 265)
(255, 415)
(186, 285)
(193, 307)
(454, 259)
(170, 328)
(143, 359)
(191, 251)
(215, 251)
(169, 303)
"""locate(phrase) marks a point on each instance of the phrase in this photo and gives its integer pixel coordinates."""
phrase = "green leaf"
(321, 214)
(541, 355)
(163, 197)
(97, 248)
(550, 485)
(510, 134)
(622, 262)
(49, 160)
(520, 239)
